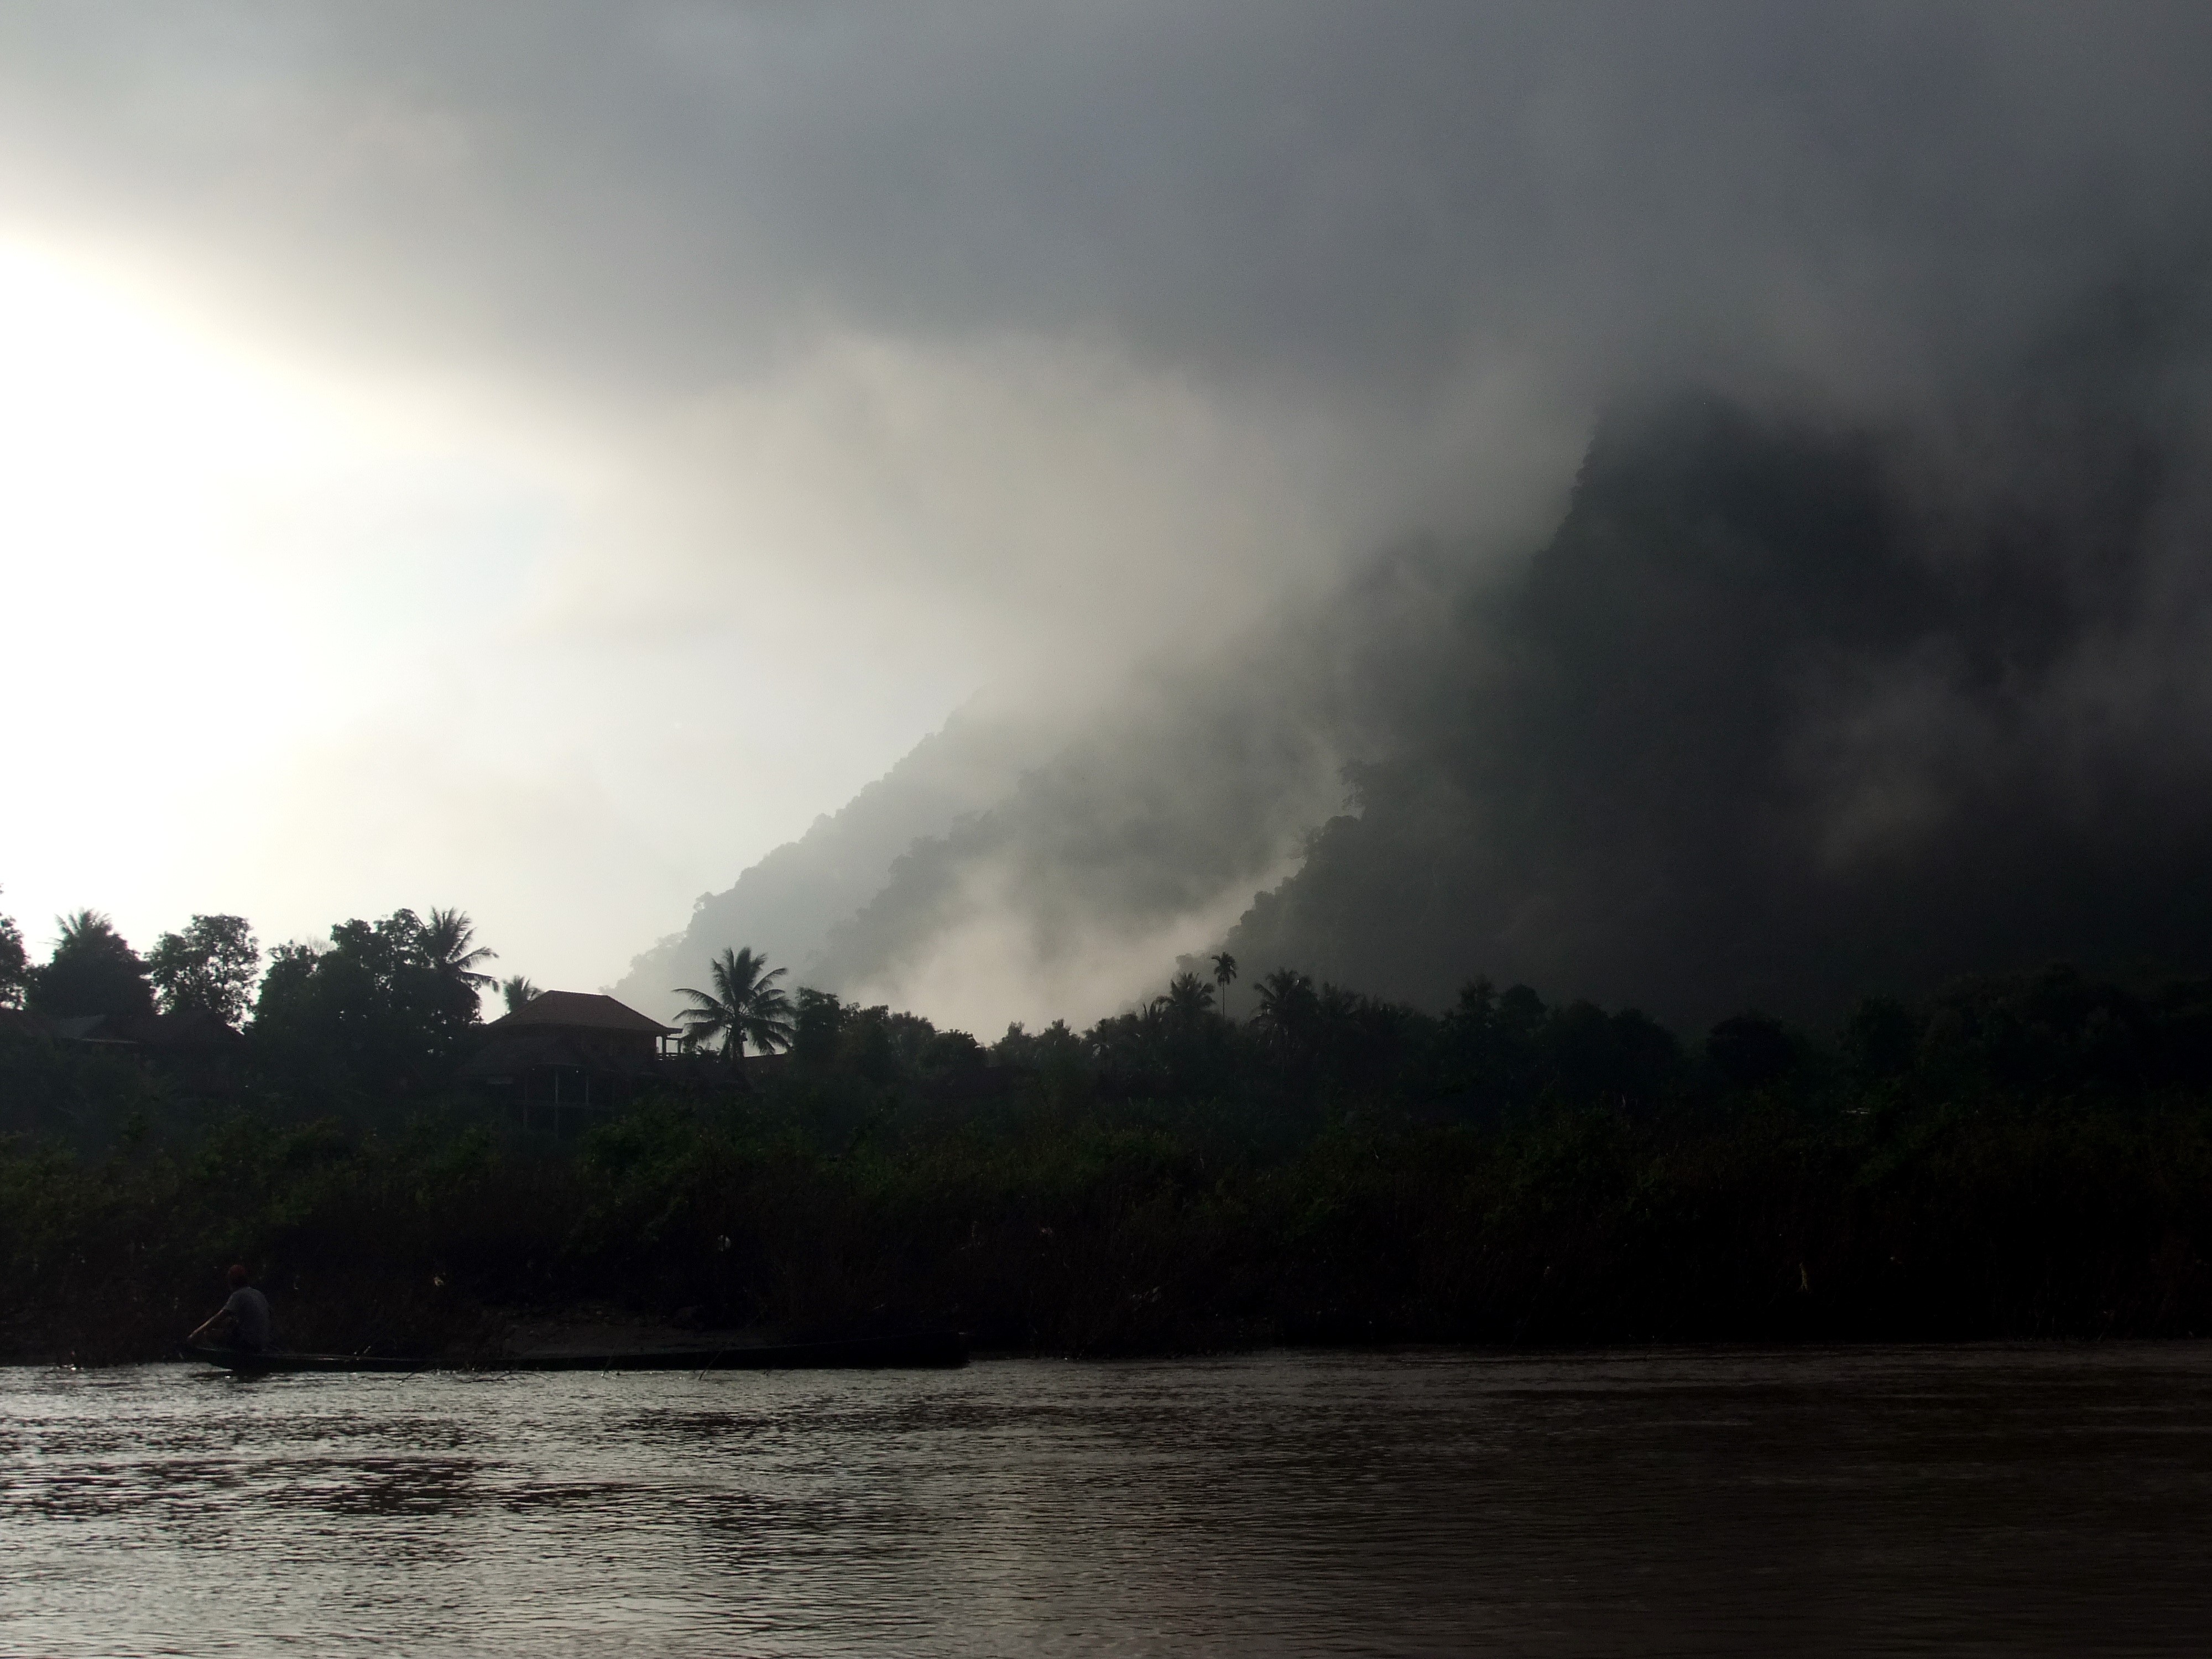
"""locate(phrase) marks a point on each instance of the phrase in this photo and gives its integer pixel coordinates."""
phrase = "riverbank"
(1159, 1227)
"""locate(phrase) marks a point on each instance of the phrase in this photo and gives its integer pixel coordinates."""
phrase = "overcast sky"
(536, 458)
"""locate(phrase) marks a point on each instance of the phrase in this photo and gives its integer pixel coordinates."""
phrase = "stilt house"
(567, 1051)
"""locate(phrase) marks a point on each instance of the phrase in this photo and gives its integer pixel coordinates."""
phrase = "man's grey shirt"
(251, 1309)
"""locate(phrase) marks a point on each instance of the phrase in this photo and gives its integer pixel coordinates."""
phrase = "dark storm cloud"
(1904, 235)
(1789, 709)
(1345, 196)
(1786, 712)
(1877, 232)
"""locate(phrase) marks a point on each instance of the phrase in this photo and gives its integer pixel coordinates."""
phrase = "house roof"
(577, 1011)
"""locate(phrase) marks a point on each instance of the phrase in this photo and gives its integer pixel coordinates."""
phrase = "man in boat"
(243, 1321)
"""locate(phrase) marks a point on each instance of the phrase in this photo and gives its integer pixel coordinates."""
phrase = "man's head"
(238, 1275)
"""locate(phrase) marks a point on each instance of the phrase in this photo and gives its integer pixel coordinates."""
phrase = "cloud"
(1772, 719)
(857, 357)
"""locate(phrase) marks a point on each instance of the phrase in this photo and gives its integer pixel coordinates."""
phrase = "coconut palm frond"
(83, 926)
(746, 1006)
(1188, 999)
(448, 939)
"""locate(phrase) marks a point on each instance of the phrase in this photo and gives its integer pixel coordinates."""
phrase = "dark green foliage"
(77, 1094)
(1492, 1046)
(1289, 1010)
(951, 1054)
(93, 970)
(208, 969)
(1190, 998)
(875, 1045)
(2029, 1155)
(384, 1014)
(1506, 1050)
(15, 963)
(116, 1257)
(2060, 1031)
(1143, 1225)
(1751, 1050)
(1061, 1060)
(1881, 1038)
(817, 1024)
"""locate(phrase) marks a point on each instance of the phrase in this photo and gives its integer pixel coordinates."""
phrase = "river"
(2000, 1500)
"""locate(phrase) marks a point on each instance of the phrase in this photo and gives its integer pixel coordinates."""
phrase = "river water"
(2001, 1500)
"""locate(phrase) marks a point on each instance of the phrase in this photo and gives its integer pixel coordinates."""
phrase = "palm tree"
(93, 970)
(1225, 976)
(448, 943)
(1288, 1006)
(746, 1006)
(15, 962)
(1189, 999)
(517, 992)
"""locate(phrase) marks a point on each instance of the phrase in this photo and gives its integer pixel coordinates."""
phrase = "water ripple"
(1997, 1500)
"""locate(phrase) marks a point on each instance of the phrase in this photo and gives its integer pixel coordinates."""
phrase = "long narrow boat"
(906, 1350)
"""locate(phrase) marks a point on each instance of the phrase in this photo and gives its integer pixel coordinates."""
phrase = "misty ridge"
(1793, 704)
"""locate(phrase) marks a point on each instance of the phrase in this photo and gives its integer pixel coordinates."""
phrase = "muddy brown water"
(1999, 1500)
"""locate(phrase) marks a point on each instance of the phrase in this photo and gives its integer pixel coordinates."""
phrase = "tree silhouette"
(1289, 1006)
(1189, 1000)
(1751, 1049)
(1225, 976)
(208, 969)
(448, 943)
(818, 1022)
(517, 993)
(93, 970)
(388, 1007)
(746, 1006)
(1286, 998)
(15, 962)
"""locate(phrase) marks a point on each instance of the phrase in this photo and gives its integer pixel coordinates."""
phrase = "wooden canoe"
(906, 1350)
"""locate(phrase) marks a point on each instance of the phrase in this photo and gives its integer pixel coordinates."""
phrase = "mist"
(1787, 713)
(1786, 710)
(1831, 625)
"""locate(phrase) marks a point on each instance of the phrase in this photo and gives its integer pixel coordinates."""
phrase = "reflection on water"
(1996, 1500)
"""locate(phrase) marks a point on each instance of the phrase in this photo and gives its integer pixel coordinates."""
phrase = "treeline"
(369, 1024)
(2027, 1155)
(375, 1023)
(2057, 1033)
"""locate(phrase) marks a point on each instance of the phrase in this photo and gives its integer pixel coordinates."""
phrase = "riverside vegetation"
(2023, 1156)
